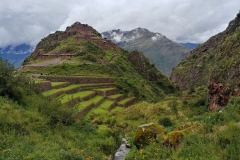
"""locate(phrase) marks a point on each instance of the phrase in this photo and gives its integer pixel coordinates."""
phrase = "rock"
(96, 121)
(145, 133)
(218, 95)
(128, 145)
(173, 139)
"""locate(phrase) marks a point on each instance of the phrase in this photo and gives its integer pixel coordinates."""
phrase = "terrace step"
(107, 104)
(96, 85)
(106, 91)
(117, 97)
(76, 97)
(127, 102)
(97, 100)
(83, 108)
(77, 79)
(56, 85)
(53, 93)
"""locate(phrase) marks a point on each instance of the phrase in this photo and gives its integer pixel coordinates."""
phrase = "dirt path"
(48, 62)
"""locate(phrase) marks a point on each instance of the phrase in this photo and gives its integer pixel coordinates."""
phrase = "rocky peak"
(234, 24)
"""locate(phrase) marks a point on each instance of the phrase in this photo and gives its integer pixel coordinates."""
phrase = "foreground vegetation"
(36, 127)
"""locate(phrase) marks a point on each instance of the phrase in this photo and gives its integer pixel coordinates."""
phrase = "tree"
(6, 78)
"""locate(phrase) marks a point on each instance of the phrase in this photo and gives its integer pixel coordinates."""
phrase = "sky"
(28, 21)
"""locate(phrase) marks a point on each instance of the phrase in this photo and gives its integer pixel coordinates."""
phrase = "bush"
(166, 122)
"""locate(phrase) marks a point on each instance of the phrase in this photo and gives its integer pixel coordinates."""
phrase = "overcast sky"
(28, 21)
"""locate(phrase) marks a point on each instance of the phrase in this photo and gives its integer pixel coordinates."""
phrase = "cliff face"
(216, 64)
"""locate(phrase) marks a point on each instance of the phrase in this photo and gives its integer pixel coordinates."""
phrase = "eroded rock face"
(218, 95)
(145, 133)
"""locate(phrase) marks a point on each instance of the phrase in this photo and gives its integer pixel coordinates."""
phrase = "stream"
(122, 150)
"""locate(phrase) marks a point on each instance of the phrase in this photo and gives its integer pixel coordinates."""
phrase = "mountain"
(190, 45)
(161, 51)
(80, 50)
(16, 54)
(215, 63)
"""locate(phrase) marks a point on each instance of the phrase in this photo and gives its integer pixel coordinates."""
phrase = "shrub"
(166, 122)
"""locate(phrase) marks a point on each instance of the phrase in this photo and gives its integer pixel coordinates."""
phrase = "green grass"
(83, 93)
(106, 103)
(117, 109)
(57, 83)
(96, 99)
(67, 97)
(81, 105)
(52, 91)
(104, 89)
(124, 100)
(115, 96)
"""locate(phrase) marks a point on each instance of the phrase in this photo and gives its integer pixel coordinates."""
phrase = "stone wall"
(108, 92)
(44, 86)
(112, 106)
(118, 98)
(77, 79)
(88, 96)
(61, 85)
(73, 101)
(83, 112)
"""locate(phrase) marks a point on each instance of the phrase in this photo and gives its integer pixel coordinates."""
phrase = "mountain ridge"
(80, 50)
(160, 50)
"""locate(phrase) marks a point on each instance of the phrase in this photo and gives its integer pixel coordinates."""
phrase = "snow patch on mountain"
(124, 36)
(157, 36)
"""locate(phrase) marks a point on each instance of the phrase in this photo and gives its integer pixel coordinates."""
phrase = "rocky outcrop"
(218, 95)
(145, 133)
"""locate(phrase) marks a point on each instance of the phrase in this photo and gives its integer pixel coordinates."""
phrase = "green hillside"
(80, 51)
(78, 95)
(214, 64)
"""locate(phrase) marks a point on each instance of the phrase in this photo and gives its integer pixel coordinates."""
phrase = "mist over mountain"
(190, 45)
(160, 50)
(16, 54)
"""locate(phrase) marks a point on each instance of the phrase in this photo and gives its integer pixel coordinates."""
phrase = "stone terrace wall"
(83, 112)
(44, 86)
(108, 92)
(61, 85)
(77, 79)
(128, 103)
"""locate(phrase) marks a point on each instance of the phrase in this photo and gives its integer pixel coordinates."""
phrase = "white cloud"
(28, 21)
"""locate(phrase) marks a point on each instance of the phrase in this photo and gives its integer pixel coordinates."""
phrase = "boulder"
(147, 133)
(173, 139)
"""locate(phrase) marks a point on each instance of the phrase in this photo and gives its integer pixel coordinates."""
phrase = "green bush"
(166, 122)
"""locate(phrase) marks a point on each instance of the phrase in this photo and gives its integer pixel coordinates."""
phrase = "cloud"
(26, 21)
(29, 21)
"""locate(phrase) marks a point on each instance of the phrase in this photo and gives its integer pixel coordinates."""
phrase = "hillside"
(215, 64)
(161, 51)
(80, 50)
(80, 104)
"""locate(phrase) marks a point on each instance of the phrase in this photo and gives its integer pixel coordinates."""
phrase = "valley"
(78, 95)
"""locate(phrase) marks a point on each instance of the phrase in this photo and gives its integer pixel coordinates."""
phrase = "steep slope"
(161, 51)
(216, 63)
(16, 54)
(80, 50)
